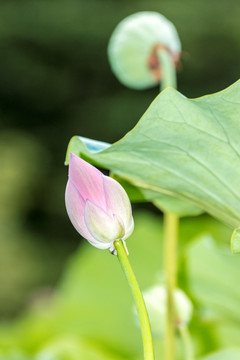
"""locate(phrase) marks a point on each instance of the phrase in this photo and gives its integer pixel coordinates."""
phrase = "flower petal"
(75, 209)
(117, 201)
(87, 179)
(129, 230)
(103, 227)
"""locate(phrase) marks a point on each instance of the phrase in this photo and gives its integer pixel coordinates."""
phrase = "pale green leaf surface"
(185, 148)
(70, 348)
(230, 354)
(161, 201)
(179, 207)
(212, 282)
(212, 274)
(13, 355)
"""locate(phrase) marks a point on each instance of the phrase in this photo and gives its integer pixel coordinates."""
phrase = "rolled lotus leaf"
(133, 47)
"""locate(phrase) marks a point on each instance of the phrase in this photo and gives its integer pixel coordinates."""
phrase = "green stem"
(168, 78)
(170, 265)
(168, 70)
(140, 305)
(187, 342)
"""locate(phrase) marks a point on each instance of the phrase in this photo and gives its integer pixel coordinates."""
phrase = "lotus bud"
(134, 45)
(156, 302)
(97, 205)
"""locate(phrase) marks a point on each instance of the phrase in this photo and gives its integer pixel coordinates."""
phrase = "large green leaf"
(182, 147)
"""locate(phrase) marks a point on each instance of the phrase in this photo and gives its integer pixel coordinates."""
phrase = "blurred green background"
(55, 83)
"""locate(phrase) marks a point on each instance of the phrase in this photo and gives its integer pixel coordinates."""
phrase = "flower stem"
(171, 221)
(140, 305)
(168, 71)
(187, 342)
(170, 264)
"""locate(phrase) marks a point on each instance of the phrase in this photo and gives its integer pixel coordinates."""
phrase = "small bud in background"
(97, 205)
(156, 302)
(133, 47)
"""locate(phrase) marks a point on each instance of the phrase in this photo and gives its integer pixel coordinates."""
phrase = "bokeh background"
(56, 82)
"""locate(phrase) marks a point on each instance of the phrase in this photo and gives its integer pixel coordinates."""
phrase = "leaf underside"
(187, 149)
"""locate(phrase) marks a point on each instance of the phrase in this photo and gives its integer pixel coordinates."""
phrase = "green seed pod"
(133, 47)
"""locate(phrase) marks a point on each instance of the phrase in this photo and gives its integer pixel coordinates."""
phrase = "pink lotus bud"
(97, 205)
